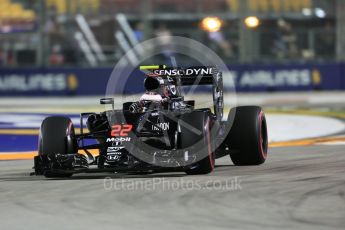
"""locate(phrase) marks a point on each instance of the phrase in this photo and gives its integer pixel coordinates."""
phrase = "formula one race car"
(161, 132)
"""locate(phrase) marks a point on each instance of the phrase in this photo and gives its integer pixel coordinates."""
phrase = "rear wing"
(196, 75)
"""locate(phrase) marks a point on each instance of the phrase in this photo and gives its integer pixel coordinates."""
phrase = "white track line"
(295, 127)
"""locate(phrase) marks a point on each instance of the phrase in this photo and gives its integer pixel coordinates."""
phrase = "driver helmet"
(164, 86)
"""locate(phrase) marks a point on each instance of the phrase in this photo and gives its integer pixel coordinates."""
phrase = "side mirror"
(107, 101)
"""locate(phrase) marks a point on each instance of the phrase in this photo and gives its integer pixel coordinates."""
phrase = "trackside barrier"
(247, 78)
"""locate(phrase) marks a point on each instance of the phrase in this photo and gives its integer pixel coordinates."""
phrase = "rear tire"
(201, 121)
(57, 135)
(247, 139)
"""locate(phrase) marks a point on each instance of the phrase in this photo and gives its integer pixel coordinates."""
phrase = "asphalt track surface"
(297, 188)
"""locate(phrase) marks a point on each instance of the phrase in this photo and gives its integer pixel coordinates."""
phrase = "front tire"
(200, 121)
(56, 135)
(247, 139)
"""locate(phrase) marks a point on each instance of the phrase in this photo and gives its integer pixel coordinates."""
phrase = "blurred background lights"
(211, 24)
(307, 12)
(251, 22)
(320, 13)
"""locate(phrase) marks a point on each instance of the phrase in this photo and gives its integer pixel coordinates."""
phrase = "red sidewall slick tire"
(201, 121)
(247, 139)
(56, 136)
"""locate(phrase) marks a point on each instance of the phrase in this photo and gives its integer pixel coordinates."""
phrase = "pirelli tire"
(56, 135)
(198, 140)
(247, 139)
